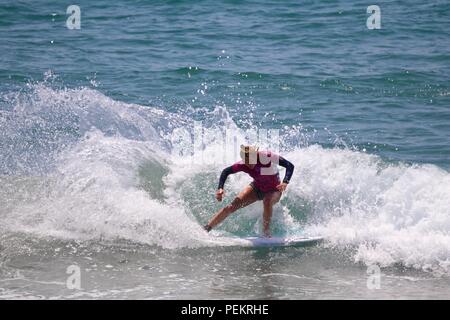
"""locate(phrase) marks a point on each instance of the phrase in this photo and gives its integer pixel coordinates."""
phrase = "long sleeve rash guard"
(263, 181)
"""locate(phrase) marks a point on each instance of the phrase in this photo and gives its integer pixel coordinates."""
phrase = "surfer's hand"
(282, 186)
(219, 194)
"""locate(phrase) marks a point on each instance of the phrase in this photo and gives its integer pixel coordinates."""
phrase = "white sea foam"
(386, 213)
(391, 213)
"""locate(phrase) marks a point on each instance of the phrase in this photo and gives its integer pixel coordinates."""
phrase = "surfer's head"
(249, 154)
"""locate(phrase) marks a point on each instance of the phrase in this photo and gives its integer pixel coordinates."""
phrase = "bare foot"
(267, 234)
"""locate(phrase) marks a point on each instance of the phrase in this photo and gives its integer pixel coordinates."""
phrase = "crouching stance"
(266, 185)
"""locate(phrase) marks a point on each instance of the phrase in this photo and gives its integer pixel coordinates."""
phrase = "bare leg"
(246, 197)
(269, 200)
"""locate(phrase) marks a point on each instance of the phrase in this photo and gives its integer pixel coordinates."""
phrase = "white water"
(391, 213)
(385, 213)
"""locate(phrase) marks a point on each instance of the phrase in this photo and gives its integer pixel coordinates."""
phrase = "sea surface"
(112, 141)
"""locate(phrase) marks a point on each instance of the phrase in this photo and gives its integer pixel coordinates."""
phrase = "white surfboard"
(281, 241)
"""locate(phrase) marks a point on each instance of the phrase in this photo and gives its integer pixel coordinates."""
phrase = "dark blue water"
(307, 62)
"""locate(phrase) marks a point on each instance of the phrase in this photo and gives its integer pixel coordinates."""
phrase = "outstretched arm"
(223, 177)
(289, 171)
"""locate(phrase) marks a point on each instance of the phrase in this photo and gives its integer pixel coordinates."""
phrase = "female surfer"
(266, 185)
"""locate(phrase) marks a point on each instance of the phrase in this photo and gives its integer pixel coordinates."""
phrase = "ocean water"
(97, 173)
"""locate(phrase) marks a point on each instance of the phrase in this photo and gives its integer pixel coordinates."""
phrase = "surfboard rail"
(282, 241)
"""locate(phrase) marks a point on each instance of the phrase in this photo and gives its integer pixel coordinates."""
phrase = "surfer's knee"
(267, 201)
(270, 200)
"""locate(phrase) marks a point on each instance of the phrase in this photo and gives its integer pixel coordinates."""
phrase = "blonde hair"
(249, 154)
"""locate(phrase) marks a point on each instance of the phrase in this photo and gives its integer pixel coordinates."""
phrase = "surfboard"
(282, 242)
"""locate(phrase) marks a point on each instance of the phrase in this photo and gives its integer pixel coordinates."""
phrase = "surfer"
(266, 185)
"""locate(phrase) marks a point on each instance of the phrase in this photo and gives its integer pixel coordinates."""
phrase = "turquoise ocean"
(97, 173)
